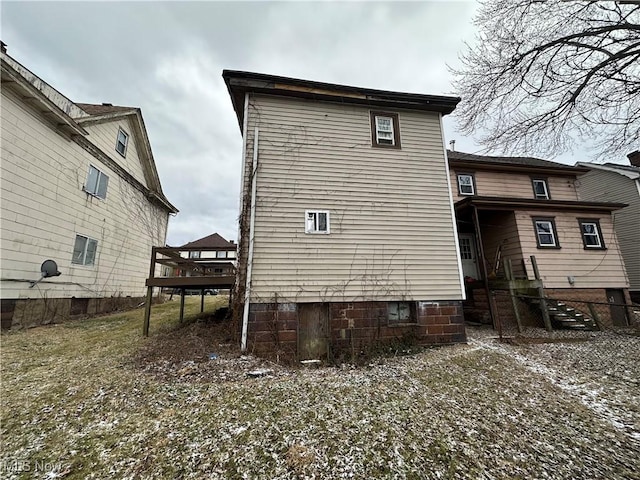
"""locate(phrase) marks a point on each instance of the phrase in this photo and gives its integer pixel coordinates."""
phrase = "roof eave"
(479, 164)
(63, 121)
(238, 83)
(511, 203)
(606, 168)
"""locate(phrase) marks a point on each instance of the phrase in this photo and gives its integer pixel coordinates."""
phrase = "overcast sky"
(167, 58)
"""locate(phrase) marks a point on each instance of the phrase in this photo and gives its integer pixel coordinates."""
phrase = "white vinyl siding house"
(64, 203)
(391, 227)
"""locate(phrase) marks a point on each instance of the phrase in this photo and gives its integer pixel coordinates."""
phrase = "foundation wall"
(355, 327)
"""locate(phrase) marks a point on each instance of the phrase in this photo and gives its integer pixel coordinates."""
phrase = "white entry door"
(468, 256)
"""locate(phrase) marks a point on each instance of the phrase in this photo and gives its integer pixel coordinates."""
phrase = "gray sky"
(167, 58)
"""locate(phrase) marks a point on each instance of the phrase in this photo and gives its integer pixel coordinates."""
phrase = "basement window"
(401, 312)
(546, 234)
(96, 183)
(121, 142)
(385, 130)
(591, 234)
(316, 221)
(84, 250)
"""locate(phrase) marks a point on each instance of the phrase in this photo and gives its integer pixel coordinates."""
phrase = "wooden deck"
(194, 274)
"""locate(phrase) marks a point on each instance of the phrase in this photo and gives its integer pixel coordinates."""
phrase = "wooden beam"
(181, 305)
(476, 225)
(147, 312)
(543, 300)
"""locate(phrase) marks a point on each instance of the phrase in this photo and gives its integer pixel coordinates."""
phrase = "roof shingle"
(97, 109)
(213, 240)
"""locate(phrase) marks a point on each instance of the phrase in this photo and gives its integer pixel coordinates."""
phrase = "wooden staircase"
(563, 316)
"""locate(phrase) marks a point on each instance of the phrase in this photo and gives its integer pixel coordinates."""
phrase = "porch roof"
(510, 203)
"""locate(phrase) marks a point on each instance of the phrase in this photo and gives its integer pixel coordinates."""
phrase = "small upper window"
(84, 250)
(591, 234)
(121, 142)
(385, 130)
(97, 183)
(466, 184)
(316, 221)
(540, 189)
(221, 254)
(546, 234)
(194, 254)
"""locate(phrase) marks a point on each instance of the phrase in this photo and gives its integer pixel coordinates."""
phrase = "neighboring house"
(204, 248)
(620, 183)
(347, 234)
(80, 187)
(514, 208)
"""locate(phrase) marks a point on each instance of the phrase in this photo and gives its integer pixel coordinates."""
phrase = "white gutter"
(453, 212)
(252, 222)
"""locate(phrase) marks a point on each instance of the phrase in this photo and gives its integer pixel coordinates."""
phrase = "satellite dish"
(49, 268)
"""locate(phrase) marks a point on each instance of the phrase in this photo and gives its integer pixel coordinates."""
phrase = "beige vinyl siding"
(506, 236)
(44, 207)
(104, 136)
(392, 232)
(516, 185)
(590, 268)
(598, 185)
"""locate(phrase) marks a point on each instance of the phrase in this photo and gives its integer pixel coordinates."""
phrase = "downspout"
(252, 222)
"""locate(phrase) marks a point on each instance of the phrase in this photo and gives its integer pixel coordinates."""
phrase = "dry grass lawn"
(94, 399)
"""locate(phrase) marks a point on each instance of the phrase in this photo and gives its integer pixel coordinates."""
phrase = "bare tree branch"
(543, 76)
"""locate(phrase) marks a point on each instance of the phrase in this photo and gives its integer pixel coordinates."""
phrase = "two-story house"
(518, 207)
(212, 254)
(347, 233)
(79, 186)
(621, 183)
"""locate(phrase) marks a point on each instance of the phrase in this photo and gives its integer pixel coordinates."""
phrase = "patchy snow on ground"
(87, 401)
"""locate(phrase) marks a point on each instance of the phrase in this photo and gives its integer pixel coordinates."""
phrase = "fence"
(524, 314)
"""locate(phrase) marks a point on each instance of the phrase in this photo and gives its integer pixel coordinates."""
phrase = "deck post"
(202, 300)
(543, 300)
(147, 312)
(483, 264)
(508, 269)
(181, 304)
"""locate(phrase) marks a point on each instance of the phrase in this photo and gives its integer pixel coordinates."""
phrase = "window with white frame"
(591, 234)
(221, 254)
(385, 129)
(316, 221)
(466, 184)
(546, 235)
(96, 183)
(540, 189)
(84, 250)
(121, 142)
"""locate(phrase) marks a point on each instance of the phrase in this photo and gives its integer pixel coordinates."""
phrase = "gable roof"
(470, 160)
(213, 240)
(239, 82)
(66, 116)
(628, 171)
